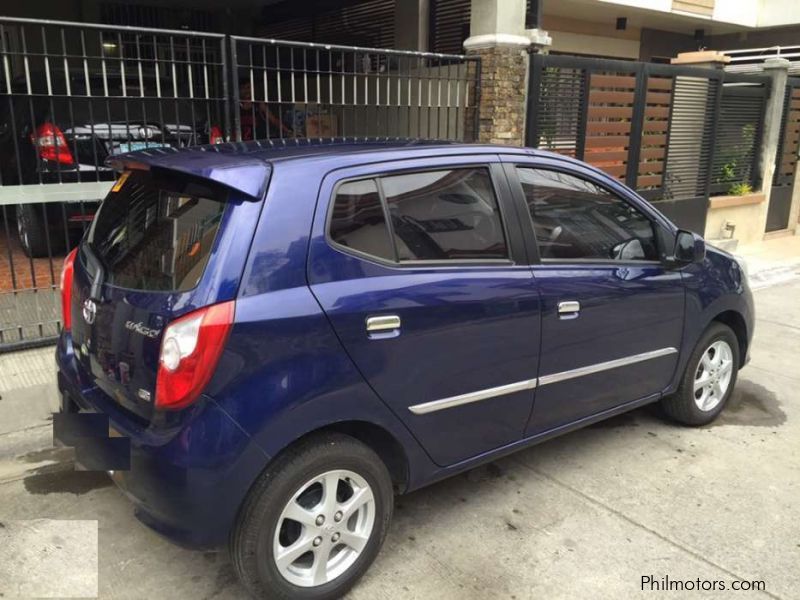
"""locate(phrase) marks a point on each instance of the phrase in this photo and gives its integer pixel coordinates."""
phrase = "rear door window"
(157, 234)
(434, 215)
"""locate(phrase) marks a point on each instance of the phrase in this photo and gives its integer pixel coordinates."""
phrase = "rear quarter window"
(157, 234)
(358, 221)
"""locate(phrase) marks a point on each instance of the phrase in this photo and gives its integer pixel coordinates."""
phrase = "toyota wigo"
(290, 334)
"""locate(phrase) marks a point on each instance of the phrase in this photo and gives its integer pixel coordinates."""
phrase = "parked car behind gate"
(64, 131)
(289, 335)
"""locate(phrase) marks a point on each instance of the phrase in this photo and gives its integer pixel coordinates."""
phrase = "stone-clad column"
(498, 37)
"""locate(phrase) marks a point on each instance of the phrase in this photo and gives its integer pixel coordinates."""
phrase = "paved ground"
(585, 515)
(29, 298)
(17, 271)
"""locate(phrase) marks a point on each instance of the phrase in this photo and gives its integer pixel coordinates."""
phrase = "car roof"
(239, 164)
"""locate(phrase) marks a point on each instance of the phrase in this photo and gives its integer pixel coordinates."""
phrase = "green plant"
(735, 158)
(727, 172)
(740, 189)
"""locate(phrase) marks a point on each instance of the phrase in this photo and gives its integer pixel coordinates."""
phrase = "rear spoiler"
(240, 172)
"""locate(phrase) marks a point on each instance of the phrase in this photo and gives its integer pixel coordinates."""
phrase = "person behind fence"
(256, 118)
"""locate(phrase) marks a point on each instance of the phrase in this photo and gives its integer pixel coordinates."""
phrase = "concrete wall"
(593, 45)
(747, 218)
(658, 44)
(763, 38)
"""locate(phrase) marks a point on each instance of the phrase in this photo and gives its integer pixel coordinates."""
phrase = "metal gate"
(72, 94)
(299, 89)
(675, 134)
(780, 199)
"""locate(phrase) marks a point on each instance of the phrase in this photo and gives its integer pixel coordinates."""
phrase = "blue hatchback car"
(290, 334)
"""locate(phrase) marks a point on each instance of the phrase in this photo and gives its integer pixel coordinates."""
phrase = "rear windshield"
(155, 233)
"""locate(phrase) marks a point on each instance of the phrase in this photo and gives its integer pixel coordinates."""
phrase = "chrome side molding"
(605, 366)
(501, 390)
(529, 384)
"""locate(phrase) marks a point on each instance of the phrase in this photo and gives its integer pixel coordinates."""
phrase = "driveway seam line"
(770, 321)
(599, 503)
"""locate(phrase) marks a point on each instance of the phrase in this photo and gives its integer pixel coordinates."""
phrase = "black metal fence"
(676, 134)
(298, 89)
(73, 94)
(780, 200)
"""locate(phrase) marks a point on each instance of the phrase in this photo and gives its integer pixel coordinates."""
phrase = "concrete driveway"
(585, 515)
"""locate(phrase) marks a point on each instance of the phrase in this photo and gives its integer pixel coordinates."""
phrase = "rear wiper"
(99, 271)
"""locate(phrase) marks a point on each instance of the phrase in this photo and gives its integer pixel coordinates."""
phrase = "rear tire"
(33, 235)
(708, 380)
(294, 541)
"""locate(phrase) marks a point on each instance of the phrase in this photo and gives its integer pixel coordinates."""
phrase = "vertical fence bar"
(226, 103)
(719, 80)
(237, 118)
(637, 125)
(532, 132)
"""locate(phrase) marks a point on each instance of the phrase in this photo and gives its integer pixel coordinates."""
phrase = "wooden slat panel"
(651, 167)
(795, 103)
(607, 141)
(615, 170)
(697, 7)
(613, 81)
(656, 112)
(594, 127)
(790, 146)
(609, 156)
(658, 98)
(655, 126)
(653, 140)
(658, 152)
(796, 92)
(598, 97)
(612, 112)
(659, 83)
(648, 181)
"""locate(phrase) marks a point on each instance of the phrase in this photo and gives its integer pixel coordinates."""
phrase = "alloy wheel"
(713, 375)
(324, 528)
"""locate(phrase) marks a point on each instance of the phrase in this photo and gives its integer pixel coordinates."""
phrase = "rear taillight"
(190, 350)
(67, 272)
(215, 135)
(51, 144)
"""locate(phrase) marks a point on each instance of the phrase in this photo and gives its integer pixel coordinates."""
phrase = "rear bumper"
(186, 482)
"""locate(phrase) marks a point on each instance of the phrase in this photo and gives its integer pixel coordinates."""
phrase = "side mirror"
(689, 248)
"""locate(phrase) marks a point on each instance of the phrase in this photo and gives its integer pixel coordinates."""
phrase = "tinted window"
(445, 215)
(153, 235)
(358, 221)
(574, 218)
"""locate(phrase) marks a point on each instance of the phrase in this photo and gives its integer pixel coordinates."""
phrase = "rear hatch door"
(162, 244)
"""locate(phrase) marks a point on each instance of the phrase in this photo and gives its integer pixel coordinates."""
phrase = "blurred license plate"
(134, 146)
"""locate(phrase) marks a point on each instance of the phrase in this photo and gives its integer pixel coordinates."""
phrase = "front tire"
(708, 380)
(314, 520)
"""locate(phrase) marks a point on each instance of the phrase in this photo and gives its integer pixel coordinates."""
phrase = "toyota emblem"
(89, 311)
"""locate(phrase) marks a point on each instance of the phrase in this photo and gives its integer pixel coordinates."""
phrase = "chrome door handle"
(569, 309)
(383, 323)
